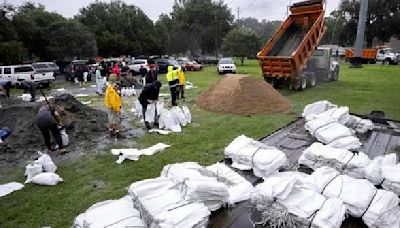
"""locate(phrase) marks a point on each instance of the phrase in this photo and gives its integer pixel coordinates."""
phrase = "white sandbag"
(338, 136)
(188, 115)
(134, 154)
(267, 161)
(360, 125)
(159, 131)
(8, 188)
(347, 142)
(303, 203)
(161, 205)
(167, 122)
(236, 144)
(384, 210)
(339, 114)
(317, 108)
(342, 160)
(313, 125)
(238, 187)
(373, 172)
(179, 116)
(47, 179)
(64, 137)
(46, 162)
(32, 170)
(110, 213)
(196, 185)
(150, 111)
(356, 194)
(390, 174)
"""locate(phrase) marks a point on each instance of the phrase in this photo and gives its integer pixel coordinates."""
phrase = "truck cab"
(386, 55)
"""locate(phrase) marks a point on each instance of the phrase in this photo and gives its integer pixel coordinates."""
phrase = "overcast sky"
(260, 9)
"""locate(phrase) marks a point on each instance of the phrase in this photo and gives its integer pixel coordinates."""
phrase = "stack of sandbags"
(150, 111)
(42, 171)
(247, 154)
(342, 160)
(377, 208)
(238, 187)
(175, 118)
(384, 171)
(161, 205)
(196, 186)
(283, 202)
(110, 213)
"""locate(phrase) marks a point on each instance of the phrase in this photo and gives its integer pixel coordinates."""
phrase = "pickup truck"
(292, 139)
(19, 73)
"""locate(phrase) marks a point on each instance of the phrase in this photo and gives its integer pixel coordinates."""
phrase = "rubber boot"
(147, 125)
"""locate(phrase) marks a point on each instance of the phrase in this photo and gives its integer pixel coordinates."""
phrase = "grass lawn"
(375, 87)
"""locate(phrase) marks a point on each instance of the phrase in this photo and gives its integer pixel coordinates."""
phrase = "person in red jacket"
(117, 71)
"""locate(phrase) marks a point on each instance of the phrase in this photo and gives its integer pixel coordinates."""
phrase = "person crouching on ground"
(48, 119)
(113, 103)
(182, 82)
(148, 96)
(173, 82)
(99, 81)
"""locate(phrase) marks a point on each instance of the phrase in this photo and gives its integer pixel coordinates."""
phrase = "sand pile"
(84, 127)
(243, 95)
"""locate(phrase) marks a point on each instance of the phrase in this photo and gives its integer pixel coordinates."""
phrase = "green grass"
(374, 87)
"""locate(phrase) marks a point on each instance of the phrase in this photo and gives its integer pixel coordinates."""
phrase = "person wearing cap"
(182, 82)
(173, 82)
(151, 75)
(149, 95)
(113, 103)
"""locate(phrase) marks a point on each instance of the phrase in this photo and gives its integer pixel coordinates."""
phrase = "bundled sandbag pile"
(334, 125)
(196, 186)
(161, 205)
(128, 91)
(134, 154)
(384, 171)
(111, 214)
(283, 202)
(42, 171)
(342, 160)
(377, 208)
(238, 187)
(150, 111)
(247, 154)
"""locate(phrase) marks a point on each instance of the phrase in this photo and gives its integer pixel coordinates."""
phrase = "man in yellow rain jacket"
(173, 83)
(113, 103)
(182, 82)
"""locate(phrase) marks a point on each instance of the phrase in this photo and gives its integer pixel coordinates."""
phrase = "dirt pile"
(85, 127)
(243, 95)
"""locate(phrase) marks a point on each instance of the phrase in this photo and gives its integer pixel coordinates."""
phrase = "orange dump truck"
(367, 56)
(286, 54)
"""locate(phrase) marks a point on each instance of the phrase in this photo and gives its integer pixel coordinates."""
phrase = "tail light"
(32, 76)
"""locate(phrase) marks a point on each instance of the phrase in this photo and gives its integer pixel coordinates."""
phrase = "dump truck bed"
(292, 139)
(290, 47)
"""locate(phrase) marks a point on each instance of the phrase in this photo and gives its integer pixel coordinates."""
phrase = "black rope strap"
(313, 215)
(329, 183)
(347, 163)
(376, 191)
(252, 157)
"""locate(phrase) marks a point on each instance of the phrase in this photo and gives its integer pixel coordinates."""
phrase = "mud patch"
(85, 127)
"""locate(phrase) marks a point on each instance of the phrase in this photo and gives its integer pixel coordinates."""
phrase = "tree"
(31, 23)
(199, 24)
(69, 39)
(264, 29)
(383, 18)
(241, 42)
(119, 28)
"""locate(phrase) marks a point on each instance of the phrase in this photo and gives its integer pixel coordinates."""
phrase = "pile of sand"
(85, 126)
(243, 95)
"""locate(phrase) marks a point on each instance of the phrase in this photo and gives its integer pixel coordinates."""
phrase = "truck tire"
(311, 80)
(299, 84)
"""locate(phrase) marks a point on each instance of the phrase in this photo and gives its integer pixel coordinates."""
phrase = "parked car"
(193, 66)
(172, 62)
(162, 65)
(182, 63)
(207, 60)
(75, 68)
(18, 74)
(135, 65)
(226, 65)
(46, 67)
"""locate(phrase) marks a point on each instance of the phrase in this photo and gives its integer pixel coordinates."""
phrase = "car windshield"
(23, 69)
(139, 62)
(388, 51)
(52, 65)
(318, 53)
(226, 61)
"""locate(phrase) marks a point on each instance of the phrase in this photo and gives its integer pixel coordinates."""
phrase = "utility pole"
(238, 13)
(357, 62)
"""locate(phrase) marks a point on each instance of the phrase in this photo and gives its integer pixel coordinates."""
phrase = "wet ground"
(86, 125)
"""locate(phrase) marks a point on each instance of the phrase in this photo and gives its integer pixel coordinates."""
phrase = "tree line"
(194, 27)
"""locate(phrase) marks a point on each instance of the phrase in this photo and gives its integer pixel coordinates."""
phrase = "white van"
(20, 73)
